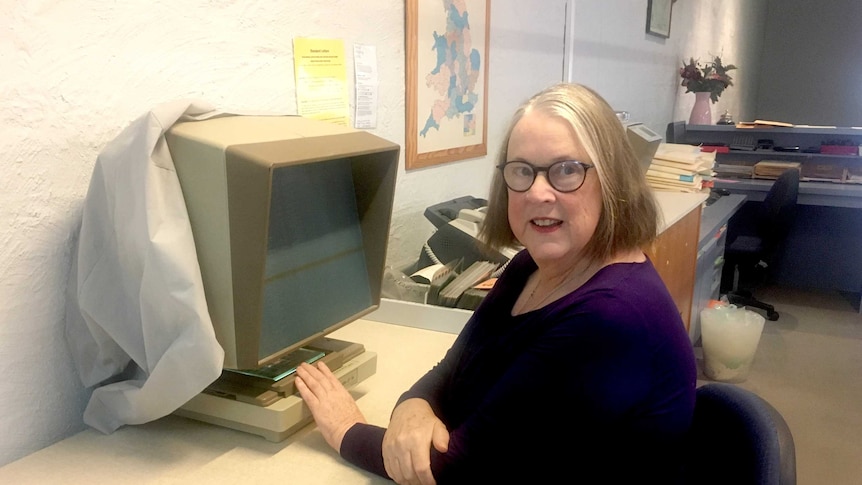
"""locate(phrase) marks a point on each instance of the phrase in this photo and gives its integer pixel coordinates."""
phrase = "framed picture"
(447, 81)
(658, 17)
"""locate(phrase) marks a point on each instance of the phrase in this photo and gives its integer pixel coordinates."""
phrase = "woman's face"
(554, 226)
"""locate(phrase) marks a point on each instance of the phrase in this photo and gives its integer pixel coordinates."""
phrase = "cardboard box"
(854, 175)
(824, 171)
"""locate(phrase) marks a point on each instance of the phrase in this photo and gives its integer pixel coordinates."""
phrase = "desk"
(710, 255)
(175, 450)
(823, 249)
(810, 193)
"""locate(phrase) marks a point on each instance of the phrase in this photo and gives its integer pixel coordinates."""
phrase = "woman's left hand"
(334, 409)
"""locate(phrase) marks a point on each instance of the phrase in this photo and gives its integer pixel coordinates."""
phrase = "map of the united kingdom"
(456, 71)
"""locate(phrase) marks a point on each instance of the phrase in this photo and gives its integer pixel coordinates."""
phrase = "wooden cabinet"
(674, 255)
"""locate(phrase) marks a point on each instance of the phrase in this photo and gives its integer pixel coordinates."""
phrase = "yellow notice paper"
(321, 79)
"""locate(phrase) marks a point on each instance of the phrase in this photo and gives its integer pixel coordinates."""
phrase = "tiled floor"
(809, 366)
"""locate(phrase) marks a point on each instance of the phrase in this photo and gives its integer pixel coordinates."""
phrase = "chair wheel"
(772, 316)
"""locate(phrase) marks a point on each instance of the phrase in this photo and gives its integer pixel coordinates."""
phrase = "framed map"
(447, 80)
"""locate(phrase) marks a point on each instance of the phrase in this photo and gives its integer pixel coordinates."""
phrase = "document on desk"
(763, 124)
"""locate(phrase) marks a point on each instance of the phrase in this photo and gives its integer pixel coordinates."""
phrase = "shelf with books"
(788, 155)
(823, 153)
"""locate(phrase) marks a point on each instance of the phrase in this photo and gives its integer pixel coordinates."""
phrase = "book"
(675, 185)
(471, 298)
(670, 167)
(705, 167)
(474, 274)
(763, 124)
(683, 155)
(679, 177)
(773, 123)
(673, 188)
(674, 178)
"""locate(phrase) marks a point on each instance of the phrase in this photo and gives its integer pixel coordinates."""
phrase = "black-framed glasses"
(564, 176)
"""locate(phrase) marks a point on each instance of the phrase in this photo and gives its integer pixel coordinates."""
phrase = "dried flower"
(710, 77)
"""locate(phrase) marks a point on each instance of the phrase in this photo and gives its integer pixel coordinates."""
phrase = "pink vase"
(701, 114)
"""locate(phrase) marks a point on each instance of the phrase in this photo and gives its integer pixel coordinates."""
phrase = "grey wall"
(812, 63)
(637, 72)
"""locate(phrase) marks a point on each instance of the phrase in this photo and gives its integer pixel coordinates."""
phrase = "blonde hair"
(629, 218)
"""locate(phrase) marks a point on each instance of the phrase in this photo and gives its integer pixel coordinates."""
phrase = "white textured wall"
(75, 72)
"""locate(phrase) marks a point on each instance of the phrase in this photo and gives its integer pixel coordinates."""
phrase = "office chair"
(754, 241)
(738, 438)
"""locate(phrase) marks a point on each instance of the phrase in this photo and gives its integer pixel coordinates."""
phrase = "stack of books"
(476, 273)
(453, 288)
(681, 168)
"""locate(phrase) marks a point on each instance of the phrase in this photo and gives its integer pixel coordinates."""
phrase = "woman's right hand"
(413, 430)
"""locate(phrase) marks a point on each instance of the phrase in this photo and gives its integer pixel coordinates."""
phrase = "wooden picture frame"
(658, 17)
(446, 97)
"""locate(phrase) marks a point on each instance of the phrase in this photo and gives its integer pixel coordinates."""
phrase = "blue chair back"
(739, 438)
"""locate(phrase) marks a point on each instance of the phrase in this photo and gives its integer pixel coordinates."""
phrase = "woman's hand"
(333, 408)
(412, 430)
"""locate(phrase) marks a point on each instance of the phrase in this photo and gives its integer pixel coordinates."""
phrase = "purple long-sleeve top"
(599, 383)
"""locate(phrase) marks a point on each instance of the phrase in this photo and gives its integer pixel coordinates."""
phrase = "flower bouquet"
(711, 77)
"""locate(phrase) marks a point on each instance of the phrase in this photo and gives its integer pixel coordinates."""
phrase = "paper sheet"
(365, 69)
(321, 80)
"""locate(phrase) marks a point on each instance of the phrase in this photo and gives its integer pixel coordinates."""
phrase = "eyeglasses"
(564, 176)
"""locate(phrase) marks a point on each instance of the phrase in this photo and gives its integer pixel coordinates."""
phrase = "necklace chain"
(568, 278)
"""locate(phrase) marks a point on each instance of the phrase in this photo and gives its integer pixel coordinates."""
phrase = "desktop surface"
(717, 214)
(179, 450)
(825, 194)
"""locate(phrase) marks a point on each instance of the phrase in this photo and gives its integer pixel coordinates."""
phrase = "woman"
(576, 364)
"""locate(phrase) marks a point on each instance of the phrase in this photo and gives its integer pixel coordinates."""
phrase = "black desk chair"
(755, 240)
(738, 438)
